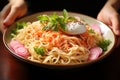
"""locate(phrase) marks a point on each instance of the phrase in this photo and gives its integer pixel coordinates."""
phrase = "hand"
(111, 17)
(14, 9)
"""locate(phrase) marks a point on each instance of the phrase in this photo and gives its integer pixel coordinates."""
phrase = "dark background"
(14, 69)
(3, 3)
(88, 7)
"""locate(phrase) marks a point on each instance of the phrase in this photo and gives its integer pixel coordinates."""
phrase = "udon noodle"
(59, 48)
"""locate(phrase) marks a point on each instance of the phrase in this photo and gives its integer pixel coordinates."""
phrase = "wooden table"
(13, 69)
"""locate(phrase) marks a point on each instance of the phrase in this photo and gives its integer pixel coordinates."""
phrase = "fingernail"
(5, 23)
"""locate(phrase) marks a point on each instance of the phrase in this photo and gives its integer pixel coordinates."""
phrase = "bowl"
(106, 31)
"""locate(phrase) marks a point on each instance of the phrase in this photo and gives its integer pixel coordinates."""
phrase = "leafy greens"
(53, 21)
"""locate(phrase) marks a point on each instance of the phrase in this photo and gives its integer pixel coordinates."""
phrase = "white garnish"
(75, 28)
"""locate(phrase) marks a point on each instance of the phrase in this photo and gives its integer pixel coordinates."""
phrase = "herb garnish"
(53, 21)
(18, 27)
(104, 44)
(91, 31)
(40, 50)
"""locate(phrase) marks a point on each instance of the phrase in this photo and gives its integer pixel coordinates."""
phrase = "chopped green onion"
(91, 31)
(104, 44)
(39, 50)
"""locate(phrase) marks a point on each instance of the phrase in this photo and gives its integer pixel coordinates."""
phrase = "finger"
(11, 17)
(2, 27)
(3, 15)
(5, 11)
(102, 18)
(116, 25)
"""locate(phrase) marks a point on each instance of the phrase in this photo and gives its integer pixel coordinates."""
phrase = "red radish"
(95, 52)
(19, 48)
(22, 51)
(15, 44)
(96, 28)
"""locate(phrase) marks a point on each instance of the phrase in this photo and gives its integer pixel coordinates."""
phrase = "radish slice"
(96, 28)
(19, 48)
(22, 51)
(15, 44)
(95, 52)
